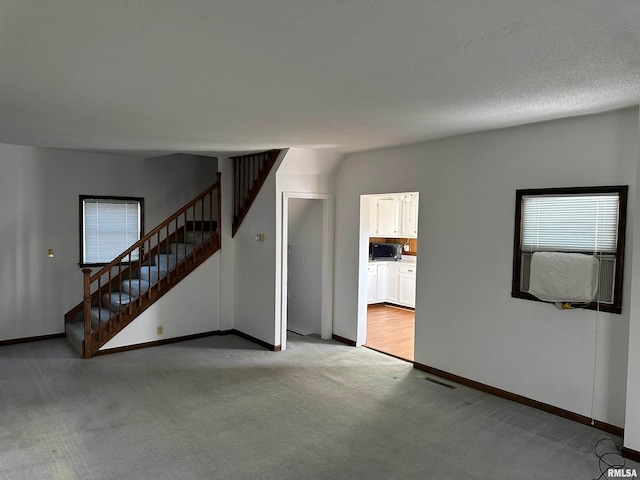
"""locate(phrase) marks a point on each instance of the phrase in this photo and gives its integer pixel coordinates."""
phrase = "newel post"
(87, 312)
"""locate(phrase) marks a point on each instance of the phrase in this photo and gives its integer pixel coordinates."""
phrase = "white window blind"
(110, 226)
(570, 223)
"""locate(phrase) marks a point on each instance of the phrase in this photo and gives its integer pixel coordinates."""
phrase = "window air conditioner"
(564, 277)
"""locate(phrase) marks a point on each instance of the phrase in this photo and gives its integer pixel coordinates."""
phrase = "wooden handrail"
(147, 237)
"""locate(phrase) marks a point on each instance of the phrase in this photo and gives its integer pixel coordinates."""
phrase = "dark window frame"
(82, 198)
(622, 191)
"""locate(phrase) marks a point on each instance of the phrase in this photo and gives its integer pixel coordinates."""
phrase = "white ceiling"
(210, 76)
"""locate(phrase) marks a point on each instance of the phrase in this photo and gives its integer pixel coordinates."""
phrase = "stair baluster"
(249, 173)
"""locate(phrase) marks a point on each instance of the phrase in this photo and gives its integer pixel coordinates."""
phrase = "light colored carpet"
(223, 408)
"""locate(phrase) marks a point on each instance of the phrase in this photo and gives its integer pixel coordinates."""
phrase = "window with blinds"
(108, 226)
(588, 220)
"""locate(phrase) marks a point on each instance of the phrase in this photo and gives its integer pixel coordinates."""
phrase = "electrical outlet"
(160, 329)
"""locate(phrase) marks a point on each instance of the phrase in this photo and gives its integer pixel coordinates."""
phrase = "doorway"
(304, 259)
(306, 250)
(388, 267)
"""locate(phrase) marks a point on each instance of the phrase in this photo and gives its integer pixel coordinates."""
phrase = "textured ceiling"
(237, 75)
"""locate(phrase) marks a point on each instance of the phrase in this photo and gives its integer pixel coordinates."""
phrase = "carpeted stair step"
(114, 301)
(197, 238)
(74, 330)
(151, 273)
(181, 250)
(135, 287)
(99, 315)
(166, 261)
(162, 263)
(75, 335)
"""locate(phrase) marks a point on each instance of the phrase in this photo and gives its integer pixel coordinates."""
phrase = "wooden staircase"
(120, 291)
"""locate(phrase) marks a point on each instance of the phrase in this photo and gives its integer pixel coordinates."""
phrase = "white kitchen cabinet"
(407, 285)
(372, 283)
(373, 218)
(392, 282)
(377, 283)
(384, 217)
(409, 216)
(381, 283)
(395, 217)
(388, 217)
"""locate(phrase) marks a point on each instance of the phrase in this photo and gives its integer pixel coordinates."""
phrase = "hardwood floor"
(391, 330)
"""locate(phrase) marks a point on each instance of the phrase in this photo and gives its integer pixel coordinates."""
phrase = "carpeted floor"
(223, 408)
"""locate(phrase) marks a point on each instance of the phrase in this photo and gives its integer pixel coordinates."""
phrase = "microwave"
(385, 251)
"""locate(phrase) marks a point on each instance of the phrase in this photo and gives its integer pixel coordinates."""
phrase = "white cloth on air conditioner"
(563, 277)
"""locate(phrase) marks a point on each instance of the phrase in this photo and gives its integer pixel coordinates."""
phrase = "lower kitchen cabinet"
(392, 282)
(381, 283)
(407, 286)
(372, 283)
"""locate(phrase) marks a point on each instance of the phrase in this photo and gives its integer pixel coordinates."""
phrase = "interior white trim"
(326, 327)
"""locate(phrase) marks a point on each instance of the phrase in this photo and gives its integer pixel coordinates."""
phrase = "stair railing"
(249, 173)
(198, 220)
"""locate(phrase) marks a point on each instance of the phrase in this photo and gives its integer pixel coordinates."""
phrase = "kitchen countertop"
(406, 259)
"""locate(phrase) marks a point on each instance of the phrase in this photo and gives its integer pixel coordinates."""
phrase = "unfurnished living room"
(201, 202)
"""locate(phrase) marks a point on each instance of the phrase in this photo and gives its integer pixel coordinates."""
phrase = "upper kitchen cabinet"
(384, 217)
(409, 215)
(388, 217)
(394, 216)
(373, 218)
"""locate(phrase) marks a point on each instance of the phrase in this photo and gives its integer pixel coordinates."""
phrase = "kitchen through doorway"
(391, 272)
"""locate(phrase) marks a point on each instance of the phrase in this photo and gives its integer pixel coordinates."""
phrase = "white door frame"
(326, 325)
(363, 263)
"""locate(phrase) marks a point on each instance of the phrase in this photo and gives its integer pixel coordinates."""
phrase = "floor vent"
(441, 383)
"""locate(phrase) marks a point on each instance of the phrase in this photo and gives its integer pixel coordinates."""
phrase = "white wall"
(466, 321)
(171, 181)
(255, 265)
(305, 266)
(39, 209)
